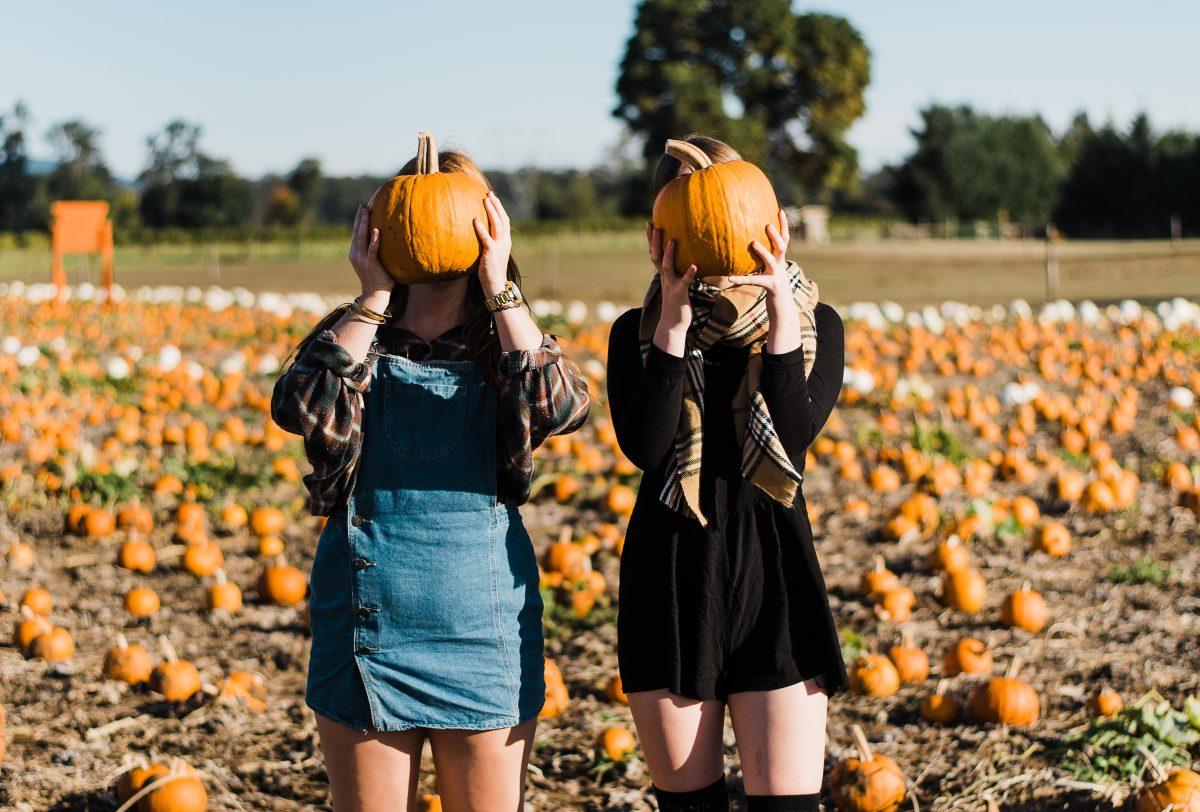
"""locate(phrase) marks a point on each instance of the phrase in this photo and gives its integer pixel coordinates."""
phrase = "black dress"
(739, 605)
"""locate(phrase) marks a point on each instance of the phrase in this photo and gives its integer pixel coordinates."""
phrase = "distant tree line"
(1088, 181)
(1105, 181)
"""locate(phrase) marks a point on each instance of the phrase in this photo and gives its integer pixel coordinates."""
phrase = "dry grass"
(614, 267)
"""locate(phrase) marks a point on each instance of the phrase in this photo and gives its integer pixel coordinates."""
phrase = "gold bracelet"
(366, 314)
(385, 315)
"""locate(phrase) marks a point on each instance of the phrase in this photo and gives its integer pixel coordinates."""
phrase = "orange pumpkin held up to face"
(714, 212)
(424, 220)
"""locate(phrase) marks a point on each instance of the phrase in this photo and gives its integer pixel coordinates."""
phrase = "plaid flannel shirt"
(320, 398)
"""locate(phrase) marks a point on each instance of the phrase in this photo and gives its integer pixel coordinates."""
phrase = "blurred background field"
(612, 265)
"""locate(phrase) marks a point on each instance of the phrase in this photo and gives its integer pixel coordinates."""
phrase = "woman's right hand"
(675, 315)
(364, 258)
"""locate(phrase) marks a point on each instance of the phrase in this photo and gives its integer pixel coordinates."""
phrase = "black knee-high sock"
(712, 798)
(783, 803)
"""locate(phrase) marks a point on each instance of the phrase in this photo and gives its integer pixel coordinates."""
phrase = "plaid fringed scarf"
(736, 317)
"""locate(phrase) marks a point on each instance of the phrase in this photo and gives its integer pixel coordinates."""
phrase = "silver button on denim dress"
(424, 605)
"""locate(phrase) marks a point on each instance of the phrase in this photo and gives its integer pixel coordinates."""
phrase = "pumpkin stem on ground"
(1013, 668)
(1156, 766)
(427, 156)
(865, 753)
(687, 154)
(168, 650)
(942, 685)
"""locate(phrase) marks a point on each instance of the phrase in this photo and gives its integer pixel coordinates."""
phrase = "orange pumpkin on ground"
(1024, 609)
(964, 590)
(617, 743)
(281, 584)
(1005, 700)
(940, 707)
(177, 680)
(867, 783)
(128, 663)
(911, 663)
(1174, 791)
(874, 675)
(967, 656)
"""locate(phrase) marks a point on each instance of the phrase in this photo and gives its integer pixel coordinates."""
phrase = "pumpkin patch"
(1008, 482)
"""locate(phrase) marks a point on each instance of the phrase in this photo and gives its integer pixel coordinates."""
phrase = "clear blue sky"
(531, 81)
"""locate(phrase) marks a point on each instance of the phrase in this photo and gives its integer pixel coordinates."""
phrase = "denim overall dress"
(424, 593)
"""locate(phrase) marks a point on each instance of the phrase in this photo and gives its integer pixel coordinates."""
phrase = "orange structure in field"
(80, 227)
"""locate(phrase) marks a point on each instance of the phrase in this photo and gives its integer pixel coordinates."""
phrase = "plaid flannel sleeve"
(542, 394)
(319, 397)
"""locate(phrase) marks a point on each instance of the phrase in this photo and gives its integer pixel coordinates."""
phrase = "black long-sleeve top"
(646, 399)
(740, 604)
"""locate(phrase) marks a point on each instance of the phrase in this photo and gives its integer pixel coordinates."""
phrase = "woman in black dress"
(717, 387)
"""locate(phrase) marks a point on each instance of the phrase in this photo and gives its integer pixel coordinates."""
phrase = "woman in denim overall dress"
(426, 617)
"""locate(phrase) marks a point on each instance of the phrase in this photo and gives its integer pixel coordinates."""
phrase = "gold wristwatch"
(506, 299)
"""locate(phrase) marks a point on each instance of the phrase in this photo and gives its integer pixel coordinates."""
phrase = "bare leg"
(370, 772)
(482, 770)
(681, 739)
(781, 738)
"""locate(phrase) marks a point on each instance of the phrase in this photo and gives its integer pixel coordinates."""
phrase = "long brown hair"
(479, 328)
(668, 168)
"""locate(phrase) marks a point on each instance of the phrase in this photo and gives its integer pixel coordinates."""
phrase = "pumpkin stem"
(122, 643)
(427, 156)
(1026, 587)
(280, 561)
(687, 154)
(1156, 767)
(942, 687)
(1013, 668)
(906, 640)
(953, 541)
(865, 753)
(220, 576)
(168, 650)
(880, 566)
(564, 535)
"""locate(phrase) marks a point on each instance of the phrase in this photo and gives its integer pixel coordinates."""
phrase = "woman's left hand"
(784, 335)
(496, 243)
(774, 275)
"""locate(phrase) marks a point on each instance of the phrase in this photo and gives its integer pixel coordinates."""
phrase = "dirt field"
(1124, 605)
(613, 267)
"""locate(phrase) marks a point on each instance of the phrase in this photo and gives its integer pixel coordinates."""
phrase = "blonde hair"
(668, 167)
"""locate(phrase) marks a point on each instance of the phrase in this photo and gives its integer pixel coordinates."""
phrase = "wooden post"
(1052, 278)
(106, 261)
(1176, 231)
(552, 268)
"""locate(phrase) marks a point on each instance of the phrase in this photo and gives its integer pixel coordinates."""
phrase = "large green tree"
(19, 190)
(971, 166)
(185, 188)
(781, 87)
(1131, 183)
(81, 173)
